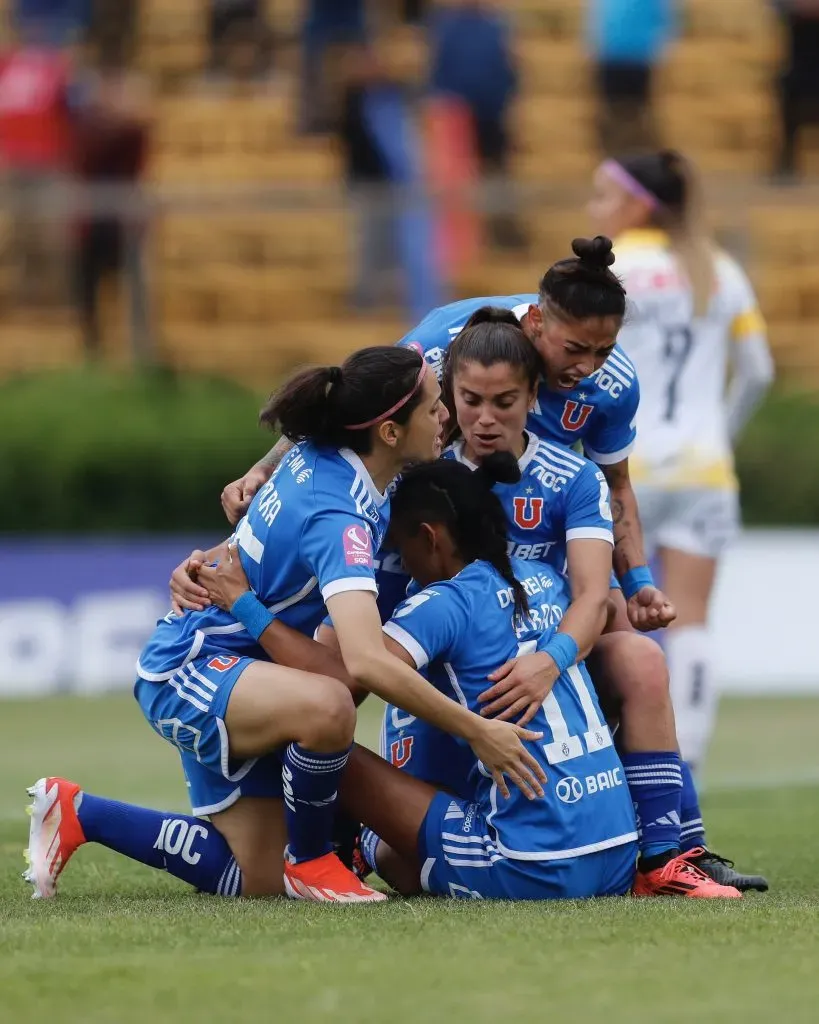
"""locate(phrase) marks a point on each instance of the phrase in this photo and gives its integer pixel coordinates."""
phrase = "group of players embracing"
(426, 530)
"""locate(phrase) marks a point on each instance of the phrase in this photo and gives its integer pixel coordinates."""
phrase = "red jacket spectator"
(34, 117)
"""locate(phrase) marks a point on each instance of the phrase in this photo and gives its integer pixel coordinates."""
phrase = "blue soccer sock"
(692, 830)
(310, 783)
(369, 848)
(188, 848)
(655, 784)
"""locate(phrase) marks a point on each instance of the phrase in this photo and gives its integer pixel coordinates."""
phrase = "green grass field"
(126, 944)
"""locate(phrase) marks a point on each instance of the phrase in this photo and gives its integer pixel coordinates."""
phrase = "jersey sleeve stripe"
(557, 466)
(409, 643)
(347, 584)
(610, 458)
(590, 533)
(561, 454)
(249, 542)
(617, 372)
(622, 362)
(747, 324)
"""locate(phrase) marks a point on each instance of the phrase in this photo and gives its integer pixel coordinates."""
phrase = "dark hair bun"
(499, 468)
(594, 252)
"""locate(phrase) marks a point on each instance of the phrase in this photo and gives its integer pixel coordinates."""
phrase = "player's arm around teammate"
(491, 374)
(315, 408)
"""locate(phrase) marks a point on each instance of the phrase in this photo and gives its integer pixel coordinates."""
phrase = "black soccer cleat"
(346, 833)
(722, 870)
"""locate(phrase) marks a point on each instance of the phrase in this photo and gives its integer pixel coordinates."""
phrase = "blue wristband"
(252, 614)
(563, 651)
(636, 579)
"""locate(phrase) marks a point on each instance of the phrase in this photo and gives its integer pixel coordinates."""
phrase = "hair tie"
(419, 380)
(615, 170)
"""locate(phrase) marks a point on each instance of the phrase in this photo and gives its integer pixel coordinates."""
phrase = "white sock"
(688, 651)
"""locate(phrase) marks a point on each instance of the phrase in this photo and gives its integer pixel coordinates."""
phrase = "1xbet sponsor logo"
(571, 789)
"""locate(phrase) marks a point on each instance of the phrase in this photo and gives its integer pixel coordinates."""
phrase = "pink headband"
(419, 380)
(619, 174)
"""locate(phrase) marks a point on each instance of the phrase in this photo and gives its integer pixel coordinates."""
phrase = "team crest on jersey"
(528, 513)
(401, 751)
(358, 549)
(575, 415)
(222, 662)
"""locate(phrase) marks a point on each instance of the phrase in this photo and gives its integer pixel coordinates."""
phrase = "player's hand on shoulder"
(226, 581)
(237, 496)
(521, 686)
(186, 594)
(650, 609)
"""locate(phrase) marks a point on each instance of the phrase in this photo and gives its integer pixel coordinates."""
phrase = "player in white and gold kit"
(697, 339)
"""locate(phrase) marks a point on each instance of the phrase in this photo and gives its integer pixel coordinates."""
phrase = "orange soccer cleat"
(326, 880)
(679, 877)
(55, 833)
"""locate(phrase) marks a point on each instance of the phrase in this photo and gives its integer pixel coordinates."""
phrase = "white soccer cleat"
(54, 833)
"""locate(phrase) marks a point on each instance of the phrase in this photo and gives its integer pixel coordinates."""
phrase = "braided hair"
(462, 499)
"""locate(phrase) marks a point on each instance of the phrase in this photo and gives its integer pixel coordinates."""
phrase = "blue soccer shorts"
(188, 710)
(426, 753)
(459, 859)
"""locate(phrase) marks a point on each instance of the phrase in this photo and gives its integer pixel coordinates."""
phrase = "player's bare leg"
(314, 717)
(393, 805)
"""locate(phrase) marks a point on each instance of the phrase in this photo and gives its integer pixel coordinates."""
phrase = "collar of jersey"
(350, 456)
(531, 447)
(641, 237)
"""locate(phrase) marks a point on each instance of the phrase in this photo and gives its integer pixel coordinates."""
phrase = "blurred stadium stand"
(248, 254)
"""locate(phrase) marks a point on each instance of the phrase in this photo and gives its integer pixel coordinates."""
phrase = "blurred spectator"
(327, 23)
(799, 81)
(628, 39)
(472, 61)
(34, 155)
(382, 167)
(240, 40)
(54, 22)
(413, 12)
(112, 133)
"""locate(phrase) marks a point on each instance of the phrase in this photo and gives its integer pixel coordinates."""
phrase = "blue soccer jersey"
(560, 497)
(600, 412)
(309, 534)
(464, 628)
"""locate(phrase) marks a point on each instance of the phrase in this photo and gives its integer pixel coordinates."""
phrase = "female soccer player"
(578, 839)
(694, 315)
(557, 512)
(589, 393)
(250, 732)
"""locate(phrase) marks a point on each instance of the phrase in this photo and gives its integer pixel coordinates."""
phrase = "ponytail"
(335, 406)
